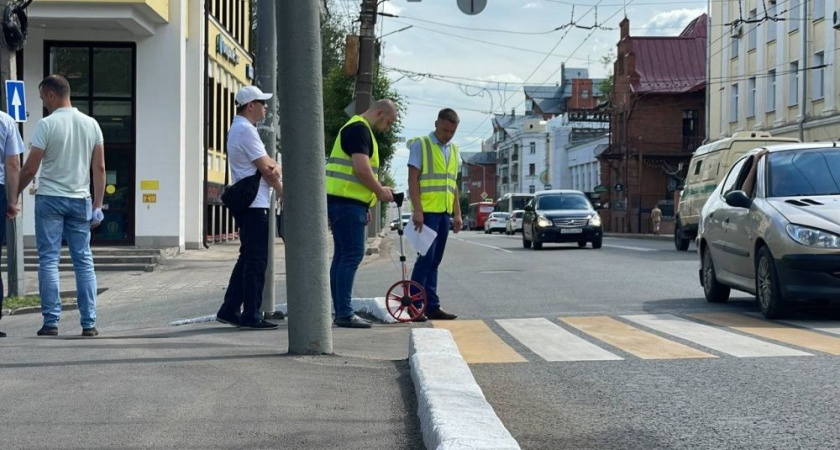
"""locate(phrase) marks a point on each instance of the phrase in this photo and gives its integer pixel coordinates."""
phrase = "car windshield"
(800, 173)
(565, 201)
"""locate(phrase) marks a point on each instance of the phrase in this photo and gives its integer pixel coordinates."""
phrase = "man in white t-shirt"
(68, 146)
(247, 155)
(11, 146)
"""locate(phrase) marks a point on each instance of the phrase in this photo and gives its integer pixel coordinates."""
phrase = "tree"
(606, 85)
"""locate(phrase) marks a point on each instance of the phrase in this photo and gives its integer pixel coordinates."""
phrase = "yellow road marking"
(632, 340)
(772, 330)
(478, 343)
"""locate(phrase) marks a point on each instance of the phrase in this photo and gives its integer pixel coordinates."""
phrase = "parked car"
(406, 218)
(772, 228)
(496, 221)
(561, 216)
(705, 171)
(395, 224)
(515, 222)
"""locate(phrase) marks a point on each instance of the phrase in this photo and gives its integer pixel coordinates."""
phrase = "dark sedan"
(561, 216)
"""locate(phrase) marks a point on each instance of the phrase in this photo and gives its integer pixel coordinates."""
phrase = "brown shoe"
(440, 315)
(420, 318)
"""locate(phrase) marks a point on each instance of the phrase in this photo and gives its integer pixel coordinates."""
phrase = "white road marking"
(712, 337)
(554, 343)
(483, 245)
(627, 247)
(826, 326)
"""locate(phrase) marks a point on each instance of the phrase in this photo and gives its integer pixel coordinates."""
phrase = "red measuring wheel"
(402, 304)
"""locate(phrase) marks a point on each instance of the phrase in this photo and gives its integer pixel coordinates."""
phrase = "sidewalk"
(204, 385)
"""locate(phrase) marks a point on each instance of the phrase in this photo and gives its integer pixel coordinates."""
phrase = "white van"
(708, 165)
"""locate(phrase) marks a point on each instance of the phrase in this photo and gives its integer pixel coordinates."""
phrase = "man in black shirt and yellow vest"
(352, 188)
(433, 166)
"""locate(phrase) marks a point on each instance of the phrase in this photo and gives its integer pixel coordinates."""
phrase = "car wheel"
(715, 291)
(525, 242)
(581, 244)
(680, 242)
(767, 289)
(597, 243)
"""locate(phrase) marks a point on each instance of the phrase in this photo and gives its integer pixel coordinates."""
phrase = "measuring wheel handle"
(406, 301)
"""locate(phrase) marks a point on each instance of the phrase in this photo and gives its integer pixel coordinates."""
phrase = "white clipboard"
(420, 241)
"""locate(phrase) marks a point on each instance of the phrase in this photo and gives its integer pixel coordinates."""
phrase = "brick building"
(656, 123)
(478, 176)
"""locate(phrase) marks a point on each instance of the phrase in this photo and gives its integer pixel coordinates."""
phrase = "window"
(794, 84)
(533, 148)
(771, 25)
(771, 91)
(732, 178)
(819, 9)
(733, 103)
(584, 94)
(532, 189)
(734, 45)
(752, 36)
(697, 167)
(819, 76)
(532, 170)
(751, 98)
(793, 16)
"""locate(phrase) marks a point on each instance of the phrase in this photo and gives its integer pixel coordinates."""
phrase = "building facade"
(774, 71)
(522, 145)
(656, 123)
(478, 176)
(159, 76)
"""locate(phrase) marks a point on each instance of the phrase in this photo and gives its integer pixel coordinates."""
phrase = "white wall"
(194, 164)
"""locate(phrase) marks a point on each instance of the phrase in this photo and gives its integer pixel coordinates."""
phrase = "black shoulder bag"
(238, 198)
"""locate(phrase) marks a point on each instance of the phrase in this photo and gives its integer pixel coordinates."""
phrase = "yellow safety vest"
(437, 181)
(341, 178)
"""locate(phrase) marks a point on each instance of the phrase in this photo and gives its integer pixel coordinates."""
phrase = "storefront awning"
(140, 17)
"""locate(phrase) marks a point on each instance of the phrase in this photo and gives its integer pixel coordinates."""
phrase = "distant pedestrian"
(247, 155)
(433, 166)
(352, 188)
(68, 146)
(656, 218)
(11, 146)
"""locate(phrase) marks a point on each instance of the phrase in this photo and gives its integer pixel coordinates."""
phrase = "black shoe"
(420, 318)
(90, 332)
(2, 334)
(232, 321)
(48, 331)
(440, 315)
(261, 325)
(353, 321)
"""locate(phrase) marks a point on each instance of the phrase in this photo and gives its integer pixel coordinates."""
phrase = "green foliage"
(465, 204)
(606, 85)
(338, 91)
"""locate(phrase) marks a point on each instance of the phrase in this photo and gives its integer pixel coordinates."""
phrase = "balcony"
(139, 17)
(690, 143)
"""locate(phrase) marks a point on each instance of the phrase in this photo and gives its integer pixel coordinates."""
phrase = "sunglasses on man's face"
(261, 102)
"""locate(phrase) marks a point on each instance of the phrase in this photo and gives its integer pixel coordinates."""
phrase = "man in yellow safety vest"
(433, 166)
(352, 188)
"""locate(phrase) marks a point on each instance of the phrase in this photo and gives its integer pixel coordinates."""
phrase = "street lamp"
(397, 31)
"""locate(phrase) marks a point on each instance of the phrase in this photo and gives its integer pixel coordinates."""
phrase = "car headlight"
(595, 220)
(812, 237)
(544, 222)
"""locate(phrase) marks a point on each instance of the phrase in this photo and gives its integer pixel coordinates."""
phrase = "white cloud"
(501, 78)
(531, 5)
(390, 8)
(670, 23)
(393, 50)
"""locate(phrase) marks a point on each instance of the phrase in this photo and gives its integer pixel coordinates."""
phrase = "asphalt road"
(617, 348)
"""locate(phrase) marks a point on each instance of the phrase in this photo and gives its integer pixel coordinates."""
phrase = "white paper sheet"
(420, 241)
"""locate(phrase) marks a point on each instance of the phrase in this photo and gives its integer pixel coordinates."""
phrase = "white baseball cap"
(249, 94)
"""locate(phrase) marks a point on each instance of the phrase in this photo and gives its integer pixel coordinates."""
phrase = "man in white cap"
(247, 155)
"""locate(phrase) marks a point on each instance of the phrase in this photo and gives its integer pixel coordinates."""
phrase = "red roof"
(672, 65)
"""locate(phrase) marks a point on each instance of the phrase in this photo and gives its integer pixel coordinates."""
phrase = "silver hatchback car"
(772, 228)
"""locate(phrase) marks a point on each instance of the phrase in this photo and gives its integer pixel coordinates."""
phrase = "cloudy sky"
(477, 64)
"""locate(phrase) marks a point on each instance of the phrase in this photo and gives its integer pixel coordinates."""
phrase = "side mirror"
(738, 199)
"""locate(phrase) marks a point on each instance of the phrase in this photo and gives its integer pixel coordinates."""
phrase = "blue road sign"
(16, 100)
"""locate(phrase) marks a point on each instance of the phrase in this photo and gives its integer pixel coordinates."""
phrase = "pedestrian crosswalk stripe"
(832, 327)
(552, 342)
(632, 340)
(771, 330)
(712, 337)
(478, 344)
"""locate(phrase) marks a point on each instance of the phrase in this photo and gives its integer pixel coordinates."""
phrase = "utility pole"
(14, 227)
(267, 81)
(364, 81)
(305, 202)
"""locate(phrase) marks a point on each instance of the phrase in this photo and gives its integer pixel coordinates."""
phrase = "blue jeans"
(70, 217)
(245, 289)
(426, 268)
(348, 229)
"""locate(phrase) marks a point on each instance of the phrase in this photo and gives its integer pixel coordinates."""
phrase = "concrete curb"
(639, 236)
(454, 414)
(371, 306)
(37, 309)
(374, 245)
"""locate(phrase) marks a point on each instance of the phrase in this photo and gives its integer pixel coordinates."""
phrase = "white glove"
(96, 217)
